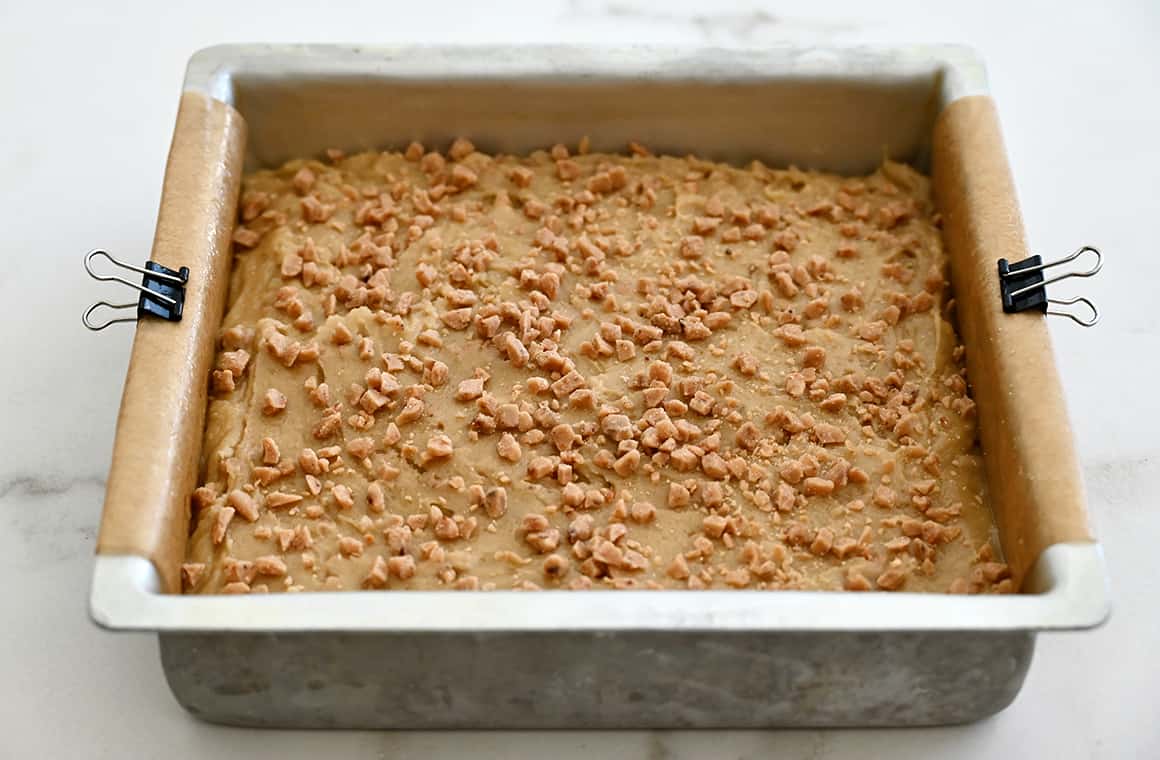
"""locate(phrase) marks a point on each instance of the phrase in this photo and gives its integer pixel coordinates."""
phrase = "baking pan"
(601, 658)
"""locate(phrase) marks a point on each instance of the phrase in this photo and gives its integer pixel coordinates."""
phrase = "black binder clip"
(1023, 287)
(162, 292)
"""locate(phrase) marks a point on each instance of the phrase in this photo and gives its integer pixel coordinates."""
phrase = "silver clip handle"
(136, 286)
(1093, 271)
(1091, 321)
(87, 317)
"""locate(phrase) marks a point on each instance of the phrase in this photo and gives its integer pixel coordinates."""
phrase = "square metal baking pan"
(601, 658)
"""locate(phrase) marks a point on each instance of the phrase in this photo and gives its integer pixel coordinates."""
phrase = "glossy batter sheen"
(588, 371)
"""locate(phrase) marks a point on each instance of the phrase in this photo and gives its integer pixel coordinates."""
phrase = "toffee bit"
(273, 402)
(243, 504)
(508, 448)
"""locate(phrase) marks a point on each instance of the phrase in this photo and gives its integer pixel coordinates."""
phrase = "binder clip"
(162, 292)
(1023, 286)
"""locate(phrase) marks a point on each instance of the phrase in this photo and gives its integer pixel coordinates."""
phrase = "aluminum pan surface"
(213, 70)
(834, 109)
(1069, 580)
(1074, 595)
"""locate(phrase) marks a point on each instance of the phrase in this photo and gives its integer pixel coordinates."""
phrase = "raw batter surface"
(586, 370)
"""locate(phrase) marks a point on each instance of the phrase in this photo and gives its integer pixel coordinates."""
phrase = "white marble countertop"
(89, 99)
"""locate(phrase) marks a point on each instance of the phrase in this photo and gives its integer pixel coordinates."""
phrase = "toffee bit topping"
(582, 370)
